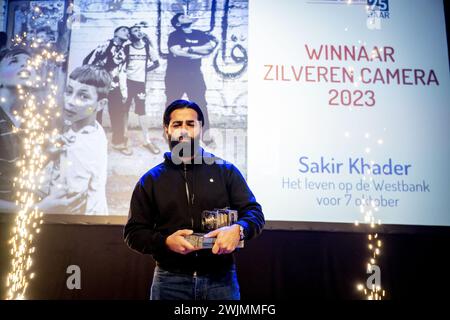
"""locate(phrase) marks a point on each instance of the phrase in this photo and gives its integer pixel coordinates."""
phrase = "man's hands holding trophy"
(178, 243)
(224, 235)
(227, 239)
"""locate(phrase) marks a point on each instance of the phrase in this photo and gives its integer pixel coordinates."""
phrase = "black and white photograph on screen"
(153, 52)
(157, 52)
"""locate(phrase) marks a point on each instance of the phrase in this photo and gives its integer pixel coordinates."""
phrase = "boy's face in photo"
(123, 33)
(81, 101)
(14, 70)
(137, 33)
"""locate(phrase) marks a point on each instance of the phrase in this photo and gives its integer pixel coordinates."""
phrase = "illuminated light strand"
(35, 117)
(374, 243)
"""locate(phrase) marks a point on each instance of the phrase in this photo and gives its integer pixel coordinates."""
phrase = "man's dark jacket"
(170, 197)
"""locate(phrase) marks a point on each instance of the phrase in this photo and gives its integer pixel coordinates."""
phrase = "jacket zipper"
(190, 202)
(188, 195)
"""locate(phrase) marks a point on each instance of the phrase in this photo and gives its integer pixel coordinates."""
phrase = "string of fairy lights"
(369, 208)
(35, 117)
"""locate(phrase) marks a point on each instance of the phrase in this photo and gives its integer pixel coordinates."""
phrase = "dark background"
(304, 262)
(280, 264)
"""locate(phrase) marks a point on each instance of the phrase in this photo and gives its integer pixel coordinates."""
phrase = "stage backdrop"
(349, 111)
(333, 110)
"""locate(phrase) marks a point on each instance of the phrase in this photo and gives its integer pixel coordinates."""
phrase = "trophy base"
(199, 241)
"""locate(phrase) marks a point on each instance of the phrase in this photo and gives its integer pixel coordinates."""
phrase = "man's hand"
(227, 239)
(177, 243)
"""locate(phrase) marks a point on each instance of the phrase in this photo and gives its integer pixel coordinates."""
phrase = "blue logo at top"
(378, 9)
(379, 5)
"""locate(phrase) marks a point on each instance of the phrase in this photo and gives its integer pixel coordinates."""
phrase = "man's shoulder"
(211, 159)
(154, 173)
(176, 33)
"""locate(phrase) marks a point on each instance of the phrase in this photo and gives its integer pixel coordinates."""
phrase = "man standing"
(167, 203)
(187, 47)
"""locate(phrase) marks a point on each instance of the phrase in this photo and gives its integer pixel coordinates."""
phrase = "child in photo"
(78, 176)
(14, 71)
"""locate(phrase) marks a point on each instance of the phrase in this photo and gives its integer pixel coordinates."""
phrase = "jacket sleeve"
(251, 217)
(139, 232)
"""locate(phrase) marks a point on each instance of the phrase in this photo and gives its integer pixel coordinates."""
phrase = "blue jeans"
(178, 286)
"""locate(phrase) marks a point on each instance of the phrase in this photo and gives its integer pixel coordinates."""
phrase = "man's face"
(80, 101)
(185, 21)
(14, 70)
(137, 33)
(184, 128)
(123, 33)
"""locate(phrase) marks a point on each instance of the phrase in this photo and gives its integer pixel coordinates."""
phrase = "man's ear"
(200, 133)
(102, 103)
(166, 132)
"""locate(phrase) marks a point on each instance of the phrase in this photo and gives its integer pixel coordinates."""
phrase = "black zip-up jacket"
(170, 197)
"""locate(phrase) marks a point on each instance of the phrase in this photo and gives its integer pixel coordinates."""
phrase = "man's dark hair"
(121, 27)
(93, 76)
(174, 20)
(182, 104)
(6, 53)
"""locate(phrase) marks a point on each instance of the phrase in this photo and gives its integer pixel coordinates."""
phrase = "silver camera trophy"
(212, 220)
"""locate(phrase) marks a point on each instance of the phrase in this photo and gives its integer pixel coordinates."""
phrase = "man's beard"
(186, 148)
